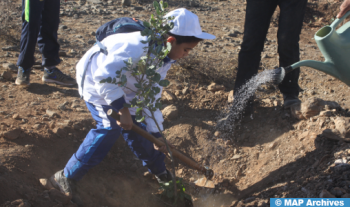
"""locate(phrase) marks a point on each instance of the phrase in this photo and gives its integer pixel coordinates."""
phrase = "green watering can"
(335, 47)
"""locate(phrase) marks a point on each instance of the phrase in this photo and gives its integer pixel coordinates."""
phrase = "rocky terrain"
(302, 152)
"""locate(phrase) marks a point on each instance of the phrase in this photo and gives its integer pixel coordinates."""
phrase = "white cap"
(187, 24)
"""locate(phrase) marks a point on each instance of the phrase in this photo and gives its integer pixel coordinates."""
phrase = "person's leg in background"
(257, 22)
(290, 24)
(31, 17)
(48, 45)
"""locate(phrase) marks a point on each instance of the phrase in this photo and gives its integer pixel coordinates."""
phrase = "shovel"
(208, 173)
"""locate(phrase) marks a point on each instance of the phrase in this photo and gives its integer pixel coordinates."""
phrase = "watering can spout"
(326, 67)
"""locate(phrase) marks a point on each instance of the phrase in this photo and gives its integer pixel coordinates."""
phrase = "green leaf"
(156, 90)
(127, 105)
(158, 105)
(156, 77)
(161, 5)
(150, 72)
(138, 111)
(164, 83)
(137, 85)
(123, 79)
(139, 118)
(146, 24)
(156, 4)
(165, 5)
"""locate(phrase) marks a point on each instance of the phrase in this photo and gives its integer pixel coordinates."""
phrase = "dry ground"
(267, 156)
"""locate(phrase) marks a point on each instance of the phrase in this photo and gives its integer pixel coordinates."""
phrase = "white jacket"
(120, 48)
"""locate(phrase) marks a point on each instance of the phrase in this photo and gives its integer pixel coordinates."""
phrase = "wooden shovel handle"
(189, 162)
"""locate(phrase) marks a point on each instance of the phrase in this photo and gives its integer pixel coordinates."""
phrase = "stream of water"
(230, 117)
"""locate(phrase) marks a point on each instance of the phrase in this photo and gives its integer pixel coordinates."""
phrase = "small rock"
(12, 134)
(51, 113)
(34, 103)
(62, 53)
(326, 194)
(61, 107)
(215, 87)
(138, 8)
(52, 125)
(58, 131)
(231, 97)
(170, 112)
(326, 113)
(7, 75)
(185, 90)
(126, 2)
(9, 48)
(235, 157)
(63, 27)
(169, 96)
(20, 203)
(217, 133)
(332, 134)
(36, 126)
(46, 183)
(272, 146)
(16, 116)
(75, 105)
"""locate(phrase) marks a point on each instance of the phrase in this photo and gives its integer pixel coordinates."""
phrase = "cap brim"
(206, 36)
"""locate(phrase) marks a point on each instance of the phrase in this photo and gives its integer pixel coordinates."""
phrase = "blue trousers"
(257, 22)
(99, 141)
(40, 24)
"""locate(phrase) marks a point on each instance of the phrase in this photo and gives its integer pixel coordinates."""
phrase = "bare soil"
(269, 155)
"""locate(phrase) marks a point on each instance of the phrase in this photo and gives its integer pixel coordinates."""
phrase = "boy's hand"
(163, 148)
(125, 119)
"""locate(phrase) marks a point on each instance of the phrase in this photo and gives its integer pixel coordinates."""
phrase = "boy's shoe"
(164, 177)
(290, 100)
(56, 76)
(62, 183)
(23, 76)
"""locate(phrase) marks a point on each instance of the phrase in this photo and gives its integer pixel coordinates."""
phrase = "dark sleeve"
(119, 103)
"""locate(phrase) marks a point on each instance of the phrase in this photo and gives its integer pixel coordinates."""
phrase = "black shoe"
(56, 76)
(62, 183)
(23, 76)
(164, 177)
(290, 100)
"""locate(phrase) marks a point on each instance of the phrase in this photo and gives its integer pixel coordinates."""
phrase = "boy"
(100, 97)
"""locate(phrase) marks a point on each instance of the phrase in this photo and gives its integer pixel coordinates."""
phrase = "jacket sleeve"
(107, 67)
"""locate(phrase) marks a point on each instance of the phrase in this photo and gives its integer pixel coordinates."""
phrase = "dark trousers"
(257, 21)
(40, 24)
